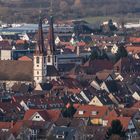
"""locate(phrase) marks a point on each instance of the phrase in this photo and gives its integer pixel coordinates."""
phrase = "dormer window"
(81, 112)
(94, 112)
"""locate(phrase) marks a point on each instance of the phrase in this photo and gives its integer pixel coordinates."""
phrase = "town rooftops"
(86, 111)
(16, 70)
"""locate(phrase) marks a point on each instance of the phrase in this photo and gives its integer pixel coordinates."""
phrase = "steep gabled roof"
(47, 115)
(87, 110)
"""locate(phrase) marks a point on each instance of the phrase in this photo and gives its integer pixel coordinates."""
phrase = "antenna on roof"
(40, 12)
(51, 7)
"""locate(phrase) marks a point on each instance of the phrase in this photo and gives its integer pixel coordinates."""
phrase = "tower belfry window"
(37, 60)
(49, 59)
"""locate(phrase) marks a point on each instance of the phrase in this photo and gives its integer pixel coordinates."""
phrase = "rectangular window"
(44, 60)
(37, 72)
(37, 59)
(49, 58)
(37, 116)
(55, 58)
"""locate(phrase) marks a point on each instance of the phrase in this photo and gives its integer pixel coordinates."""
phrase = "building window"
(37, 116)
(49, 59)
(37, 72)
(44, 60)
(55, 58)
(37, 59)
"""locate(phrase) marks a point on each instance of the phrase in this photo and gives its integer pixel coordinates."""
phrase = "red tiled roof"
(134, 39)
(89, 109)
(133, 49)
(29, 113)
(124, 121)
(16, 128)
(47, 115)
(54, 114)
(25, 58)
(20, 41)
(70, 47)
(6, 125)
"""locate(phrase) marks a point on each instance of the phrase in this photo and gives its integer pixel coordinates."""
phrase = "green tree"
(69, 111)
(122, 52)
(116, 130)
(104, 55)
(94, 55)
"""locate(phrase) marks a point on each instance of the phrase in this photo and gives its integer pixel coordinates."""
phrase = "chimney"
(77, 50)
(12, 124)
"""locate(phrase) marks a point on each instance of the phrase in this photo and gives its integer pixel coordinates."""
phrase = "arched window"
(37, 60)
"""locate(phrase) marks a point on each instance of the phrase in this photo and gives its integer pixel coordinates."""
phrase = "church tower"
(51, 55)
(39, 58)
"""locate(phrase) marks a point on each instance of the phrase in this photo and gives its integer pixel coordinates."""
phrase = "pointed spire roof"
(51, 41)
(40, 40)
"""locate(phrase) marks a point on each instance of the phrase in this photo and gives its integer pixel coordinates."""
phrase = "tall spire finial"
(51, 46)
(40, 40)
(51, 8)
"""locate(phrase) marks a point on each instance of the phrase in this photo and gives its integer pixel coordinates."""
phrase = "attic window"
(37, 117)
(60, 136)
(94, 112)
(81, 112)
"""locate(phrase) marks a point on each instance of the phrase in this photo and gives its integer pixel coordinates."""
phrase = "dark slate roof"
(22, 88)
(16, 70)
(65, 38)
(66, 67)
(111, 85)
(134, 88)
(68, 132)
(46, 86)
(97, 132)
(52, 71)
(95, 66)
(104, 98)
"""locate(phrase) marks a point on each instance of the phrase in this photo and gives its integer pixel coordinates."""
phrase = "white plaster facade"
(6, 54)
(39, 68)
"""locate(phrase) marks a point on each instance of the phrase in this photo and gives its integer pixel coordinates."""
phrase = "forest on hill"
(28, 10)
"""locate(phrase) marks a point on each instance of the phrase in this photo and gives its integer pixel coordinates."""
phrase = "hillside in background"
(28, 10)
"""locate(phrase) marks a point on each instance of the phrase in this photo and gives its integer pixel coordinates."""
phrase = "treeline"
(67, 9)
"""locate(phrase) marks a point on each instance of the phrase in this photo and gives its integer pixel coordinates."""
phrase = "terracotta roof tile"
(48, 115)
(25, 58)
(86, 111)
(124, 120)
(6, 125)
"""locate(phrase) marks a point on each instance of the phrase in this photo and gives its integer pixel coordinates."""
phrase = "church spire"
(40, 40)
(51, 46)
